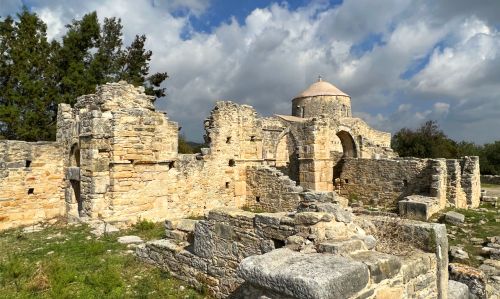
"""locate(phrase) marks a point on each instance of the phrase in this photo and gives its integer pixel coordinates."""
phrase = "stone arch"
(348, 144)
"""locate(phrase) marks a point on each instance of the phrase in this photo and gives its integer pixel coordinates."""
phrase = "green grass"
(473, 229)
(68, 262)
(485, 185)
(253, 209)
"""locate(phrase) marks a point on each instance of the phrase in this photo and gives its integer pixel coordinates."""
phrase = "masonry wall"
(270, 191)
(386, 181)
(207, 253)
(129, 166)
(491, 179)
(31, 183)
(455, 194)
(471, 180)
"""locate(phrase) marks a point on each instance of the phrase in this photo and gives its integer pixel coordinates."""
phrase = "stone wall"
(471, 180)
(456, 195)
(304, 255)
(31, 183)
(490, 179)
(333, 106)
(128, 165)
(271, 191)
(385, 182)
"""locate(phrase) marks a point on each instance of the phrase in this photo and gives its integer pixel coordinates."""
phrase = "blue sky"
(403, 62)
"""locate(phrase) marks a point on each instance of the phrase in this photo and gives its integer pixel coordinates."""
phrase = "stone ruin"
(276, 194)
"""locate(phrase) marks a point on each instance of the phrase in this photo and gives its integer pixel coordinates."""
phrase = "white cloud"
(275, 52)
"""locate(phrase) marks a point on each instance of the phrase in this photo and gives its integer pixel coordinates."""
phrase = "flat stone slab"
(457, 290)
(342, 247)
(186, 225)
(454, 217)
(129, 240)
(486, 198)
(307, 276)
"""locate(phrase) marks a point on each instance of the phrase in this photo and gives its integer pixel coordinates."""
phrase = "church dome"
(321, 88)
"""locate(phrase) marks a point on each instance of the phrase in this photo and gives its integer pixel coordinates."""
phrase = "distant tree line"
(37, 74)
(429, 141)
(189, 147)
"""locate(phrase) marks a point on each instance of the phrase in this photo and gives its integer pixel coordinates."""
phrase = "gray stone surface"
(457, 290)
(457, 253)
(101, 228)
(342, 247)
(487, 198)
(454, 217)
(417, 207)
(318, 196)
(305, 276)
(310, 218)
(381, 265)
(129, 240)
(472, 277)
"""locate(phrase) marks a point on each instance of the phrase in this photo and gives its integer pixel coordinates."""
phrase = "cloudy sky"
(402, 62)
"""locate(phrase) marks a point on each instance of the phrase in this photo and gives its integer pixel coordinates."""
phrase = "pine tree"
(36, 75)
(28, 93)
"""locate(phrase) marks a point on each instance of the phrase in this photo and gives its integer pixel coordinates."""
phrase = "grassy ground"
(479, 223)
(64, 261)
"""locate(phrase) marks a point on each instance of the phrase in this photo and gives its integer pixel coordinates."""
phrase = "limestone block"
(457, 290)
(454, 217)
(381, 265)
(342, 247)
(418, 207)
(129, 240)
(308, 276)
(310, 218)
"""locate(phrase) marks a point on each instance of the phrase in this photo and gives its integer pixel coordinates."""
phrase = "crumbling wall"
(490, 179)
(271, 191)
(455, 193)
(31, 183)
(384, 182)
(238, 254)
(471, 180)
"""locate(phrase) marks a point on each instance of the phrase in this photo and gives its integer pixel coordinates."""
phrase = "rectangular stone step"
(342, 247)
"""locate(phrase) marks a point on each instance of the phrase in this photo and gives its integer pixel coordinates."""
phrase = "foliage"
(189, 147)
(37, 74)
(429, 141)
(68, 262)
(184, 147)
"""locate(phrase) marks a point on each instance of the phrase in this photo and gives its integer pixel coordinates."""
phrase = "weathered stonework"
(116, 159)
(31, 183)
(238, 254)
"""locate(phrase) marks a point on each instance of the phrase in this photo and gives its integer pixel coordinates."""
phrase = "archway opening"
(74, 156)
(348, 145)
(74, 161)
(287, 157)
